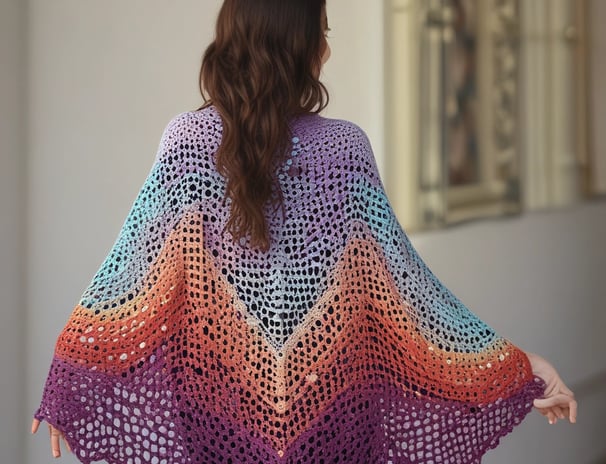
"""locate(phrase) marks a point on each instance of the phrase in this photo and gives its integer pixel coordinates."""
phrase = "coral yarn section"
(337, 345)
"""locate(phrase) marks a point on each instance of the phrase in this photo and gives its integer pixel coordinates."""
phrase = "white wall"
(12, 203)
(105, 77)
(354, 74)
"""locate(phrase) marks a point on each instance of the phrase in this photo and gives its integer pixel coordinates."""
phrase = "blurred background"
(487, 118)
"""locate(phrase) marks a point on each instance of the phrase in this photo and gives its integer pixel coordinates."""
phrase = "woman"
(262, 304)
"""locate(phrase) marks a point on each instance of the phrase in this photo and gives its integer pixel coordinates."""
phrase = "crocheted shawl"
(337, 345)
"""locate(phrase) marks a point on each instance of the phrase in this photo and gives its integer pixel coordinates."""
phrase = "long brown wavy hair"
(261, 70)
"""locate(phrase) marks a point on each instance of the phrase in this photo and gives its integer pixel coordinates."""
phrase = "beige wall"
(106, 76)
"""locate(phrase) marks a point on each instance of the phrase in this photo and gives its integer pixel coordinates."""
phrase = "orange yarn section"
(360, 331)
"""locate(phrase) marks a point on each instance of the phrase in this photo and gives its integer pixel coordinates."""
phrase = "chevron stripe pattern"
(338, 345)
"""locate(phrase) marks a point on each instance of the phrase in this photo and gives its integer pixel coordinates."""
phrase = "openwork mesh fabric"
(338, 345)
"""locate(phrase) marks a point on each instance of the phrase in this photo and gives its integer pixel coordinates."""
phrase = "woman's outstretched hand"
(55, 438)
(559, 401)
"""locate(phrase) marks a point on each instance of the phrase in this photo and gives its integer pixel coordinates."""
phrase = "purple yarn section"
(146, 418)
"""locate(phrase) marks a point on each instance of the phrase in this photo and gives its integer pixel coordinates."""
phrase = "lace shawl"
(337, 345)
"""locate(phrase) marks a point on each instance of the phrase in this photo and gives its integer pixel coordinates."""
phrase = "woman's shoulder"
(335, 144)
(333, 126)
(191, 134)
(194, 126)
(340, 137)
(199, 120)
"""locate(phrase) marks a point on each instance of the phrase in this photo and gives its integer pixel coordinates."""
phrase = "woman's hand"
(55, 438)
(559, 401)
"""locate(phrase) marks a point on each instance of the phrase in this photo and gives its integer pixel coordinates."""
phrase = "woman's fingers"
(559, 399)
(55, 438)
(557, 406)
(548, 413)
(557, 410)
(572, 414)
(55, 444)
(551, 417)
(35, 425)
